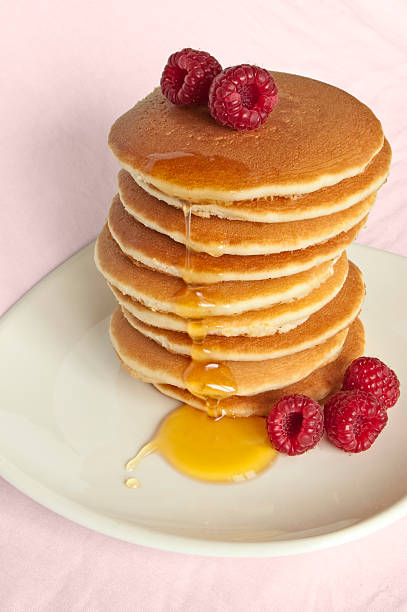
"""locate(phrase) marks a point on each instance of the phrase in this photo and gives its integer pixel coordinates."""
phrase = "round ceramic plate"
(70, 417)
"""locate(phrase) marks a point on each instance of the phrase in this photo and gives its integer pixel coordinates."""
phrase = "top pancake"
(316, 136)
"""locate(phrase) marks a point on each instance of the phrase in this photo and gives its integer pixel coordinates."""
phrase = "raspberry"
(372, 375)
(354, 419)
(242, 97)
(295, 424)
(187, 76)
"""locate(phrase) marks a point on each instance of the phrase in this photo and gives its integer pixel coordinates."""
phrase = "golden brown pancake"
(157, 251)
(338, 314)
(317, 136)
(153, 363)
(318, 385)
(156, 306)
(276, 209)
(217, 236)
(158, 290)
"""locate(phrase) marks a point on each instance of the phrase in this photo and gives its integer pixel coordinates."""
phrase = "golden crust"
(326, 322)
(227, 297)
(324, 201)
(162, 253)
(318, 385)
(217, 236)
(316, 136)
(138, 284)
(155, 364)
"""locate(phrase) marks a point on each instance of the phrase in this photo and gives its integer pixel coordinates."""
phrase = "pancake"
(157, 290)
(318, 385)
(153, 363)
(261, 322)
(159, 252)
(218, 236)
(338, 314)
(276, 209)
(317, 136)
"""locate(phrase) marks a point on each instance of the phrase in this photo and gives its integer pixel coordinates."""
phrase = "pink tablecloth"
(68, 69)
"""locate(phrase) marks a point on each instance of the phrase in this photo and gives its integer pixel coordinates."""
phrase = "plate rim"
(116, 528)
(142, 536)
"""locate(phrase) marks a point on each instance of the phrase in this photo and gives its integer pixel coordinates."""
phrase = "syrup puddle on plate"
(206, 445)
(216, 450)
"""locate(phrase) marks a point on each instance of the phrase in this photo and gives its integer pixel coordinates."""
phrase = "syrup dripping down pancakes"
(226, 251)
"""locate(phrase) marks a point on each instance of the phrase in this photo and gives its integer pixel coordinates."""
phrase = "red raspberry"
(372, 375)
(354, 419)
(187, 76)
(295, 424)
(242, 97)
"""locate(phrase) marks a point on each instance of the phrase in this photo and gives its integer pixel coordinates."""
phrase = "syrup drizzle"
(147, 449)
(207, 379)
(196, 442)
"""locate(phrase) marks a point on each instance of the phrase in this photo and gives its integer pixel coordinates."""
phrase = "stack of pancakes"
(253, 228)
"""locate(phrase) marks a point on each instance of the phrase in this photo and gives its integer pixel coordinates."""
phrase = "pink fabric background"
(68, 70)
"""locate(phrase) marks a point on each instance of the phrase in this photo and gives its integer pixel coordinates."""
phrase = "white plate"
(70, 417)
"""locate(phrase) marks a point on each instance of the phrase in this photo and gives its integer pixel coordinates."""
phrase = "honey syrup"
(215, 450)
(201, 444)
